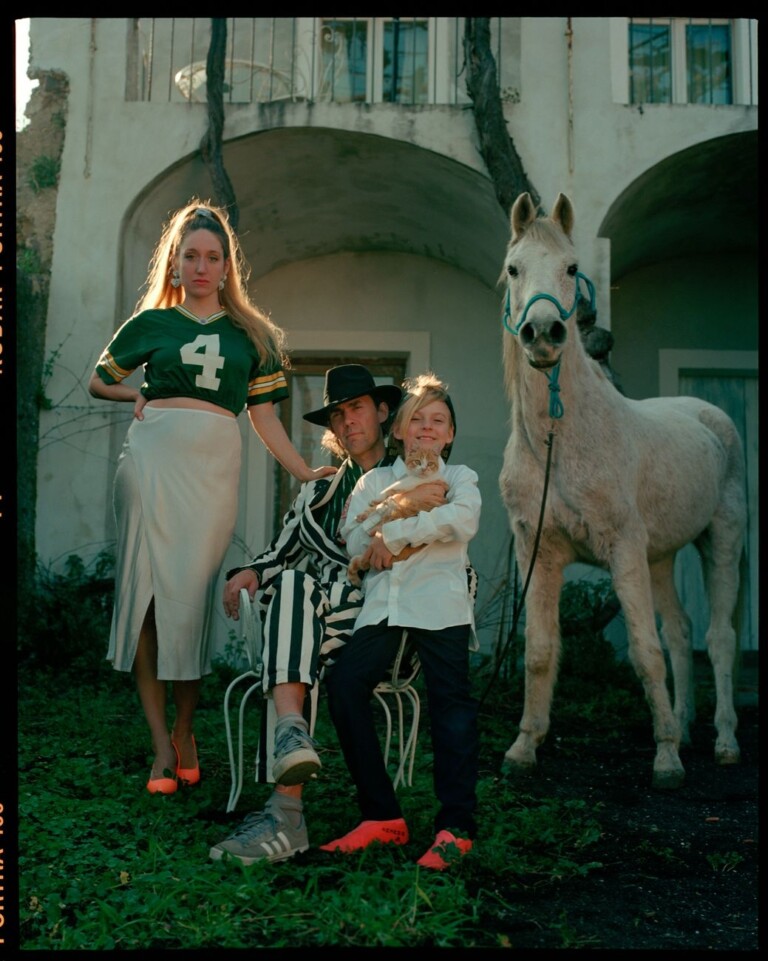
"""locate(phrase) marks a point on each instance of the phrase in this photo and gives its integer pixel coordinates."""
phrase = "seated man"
(310, 607)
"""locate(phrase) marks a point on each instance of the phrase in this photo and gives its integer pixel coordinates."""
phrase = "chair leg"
(236, 768)
(410, 748)
(243, 703)
(230, 751)
(400, 741)
(397, 687)
(408, 745)
(388, 716)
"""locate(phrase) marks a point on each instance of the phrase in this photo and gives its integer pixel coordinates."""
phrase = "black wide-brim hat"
(348, 381)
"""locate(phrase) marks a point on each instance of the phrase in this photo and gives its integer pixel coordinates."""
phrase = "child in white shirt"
(428, 595)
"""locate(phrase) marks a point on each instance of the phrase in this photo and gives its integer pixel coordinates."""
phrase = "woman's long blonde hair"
(267, 337)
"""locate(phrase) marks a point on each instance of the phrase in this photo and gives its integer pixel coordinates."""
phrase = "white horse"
(631, 482)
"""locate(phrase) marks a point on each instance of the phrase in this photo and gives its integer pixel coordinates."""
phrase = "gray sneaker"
(296, 759)
(263, 836)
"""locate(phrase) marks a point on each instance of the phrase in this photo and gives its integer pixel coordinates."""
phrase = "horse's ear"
(562, 213)
(522, 216)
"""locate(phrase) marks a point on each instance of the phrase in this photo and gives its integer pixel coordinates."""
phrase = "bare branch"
(496, 146)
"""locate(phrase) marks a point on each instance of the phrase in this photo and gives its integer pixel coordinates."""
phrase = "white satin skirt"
(175, 503)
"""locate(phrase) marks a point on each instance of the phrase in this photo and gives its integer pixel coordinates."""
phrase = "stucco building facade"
(371, 225)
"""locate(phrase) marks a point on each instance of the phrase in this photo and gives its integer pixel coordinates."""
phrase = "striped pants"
(305, 623)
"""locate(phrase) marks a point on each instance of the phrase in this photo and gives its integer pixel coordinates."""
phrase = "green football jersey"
(182, 357)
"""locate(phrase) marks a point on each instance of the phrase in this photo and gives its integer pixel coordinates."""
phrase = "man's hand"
(422, 498)
(247, 579)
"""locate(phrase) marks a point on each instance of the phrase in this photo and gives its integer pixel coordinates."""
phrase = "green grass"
(104, 865)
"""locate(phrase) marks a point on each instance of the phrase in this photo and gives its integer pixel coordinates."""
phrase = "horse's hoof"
(728, 757)
(514, 770)
(516, 766)
(668, 780)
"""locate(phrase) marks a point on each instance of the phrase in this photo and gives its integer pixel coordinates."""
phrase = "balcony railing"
(405, 60)
(420, 60)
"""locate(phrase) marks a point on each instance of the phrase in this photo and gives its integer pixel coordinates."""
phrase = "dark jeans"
(444, 656)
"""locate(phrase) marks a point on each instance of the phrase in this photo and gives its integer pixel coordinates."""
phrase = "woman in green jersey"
(207, 353)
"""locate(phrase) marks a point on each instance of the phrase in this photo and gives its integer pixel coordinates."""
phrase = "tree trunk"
(496, 146)
(210, 145)
(35, 224)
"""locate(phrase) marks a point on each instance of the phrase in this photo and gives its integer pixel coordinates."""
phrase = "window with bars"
(367, 59)
(344, 60)
(680, 60)
(405, 61)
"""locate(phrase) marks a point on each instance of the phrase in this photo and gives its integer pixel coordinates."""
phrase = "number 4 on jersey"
(204, 352)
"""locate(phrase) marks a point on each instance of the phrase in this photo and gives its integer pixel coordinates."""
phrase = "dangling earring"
(175, 280)
(222, 282)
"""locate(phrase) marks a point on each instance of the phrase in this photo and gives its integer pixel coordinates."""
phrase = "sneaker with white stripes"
(264, 836)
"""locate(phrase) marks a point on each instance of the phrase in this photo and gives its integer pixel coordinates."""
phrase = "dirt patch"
(678, 870)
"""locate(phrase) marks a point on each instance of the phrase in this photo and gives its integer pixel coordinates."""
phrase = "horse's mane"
(510, 358)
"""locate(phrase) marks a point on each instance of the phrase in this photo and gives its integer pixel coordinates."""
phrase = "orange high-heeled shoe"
(187, 775)
(162, 785)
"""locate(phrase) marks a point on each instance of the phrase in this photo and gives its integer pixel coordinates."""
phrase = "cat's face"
(421, 461)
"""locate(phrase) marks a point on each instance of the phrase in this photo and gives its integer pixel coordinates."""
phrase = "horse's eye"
(573, 269)
(512, 270)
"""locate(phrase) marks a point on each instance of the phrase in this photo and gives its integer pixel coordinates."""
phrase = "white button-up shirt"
(428, 589)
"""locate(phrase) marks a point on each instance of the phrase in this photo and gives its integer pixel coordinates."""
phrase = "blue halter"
(555, 404)
(564, 314)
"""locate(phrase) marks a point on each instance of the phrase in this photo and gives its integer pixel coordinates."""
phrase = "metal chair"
(399, 685)
(250, 627)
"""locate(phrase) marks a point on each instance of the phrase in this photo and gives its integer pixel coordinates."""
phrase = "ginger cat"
(422, 466)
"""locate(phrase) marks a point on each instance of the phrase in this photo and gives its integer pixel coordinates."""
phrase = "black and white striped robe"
(308, 606)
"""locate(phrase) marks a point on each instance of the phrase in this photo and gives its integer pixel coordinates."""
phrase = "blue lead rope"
(555, 404)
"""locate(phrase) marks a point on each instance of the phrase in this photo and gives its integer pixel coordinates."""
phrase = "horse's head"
(542, 278)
